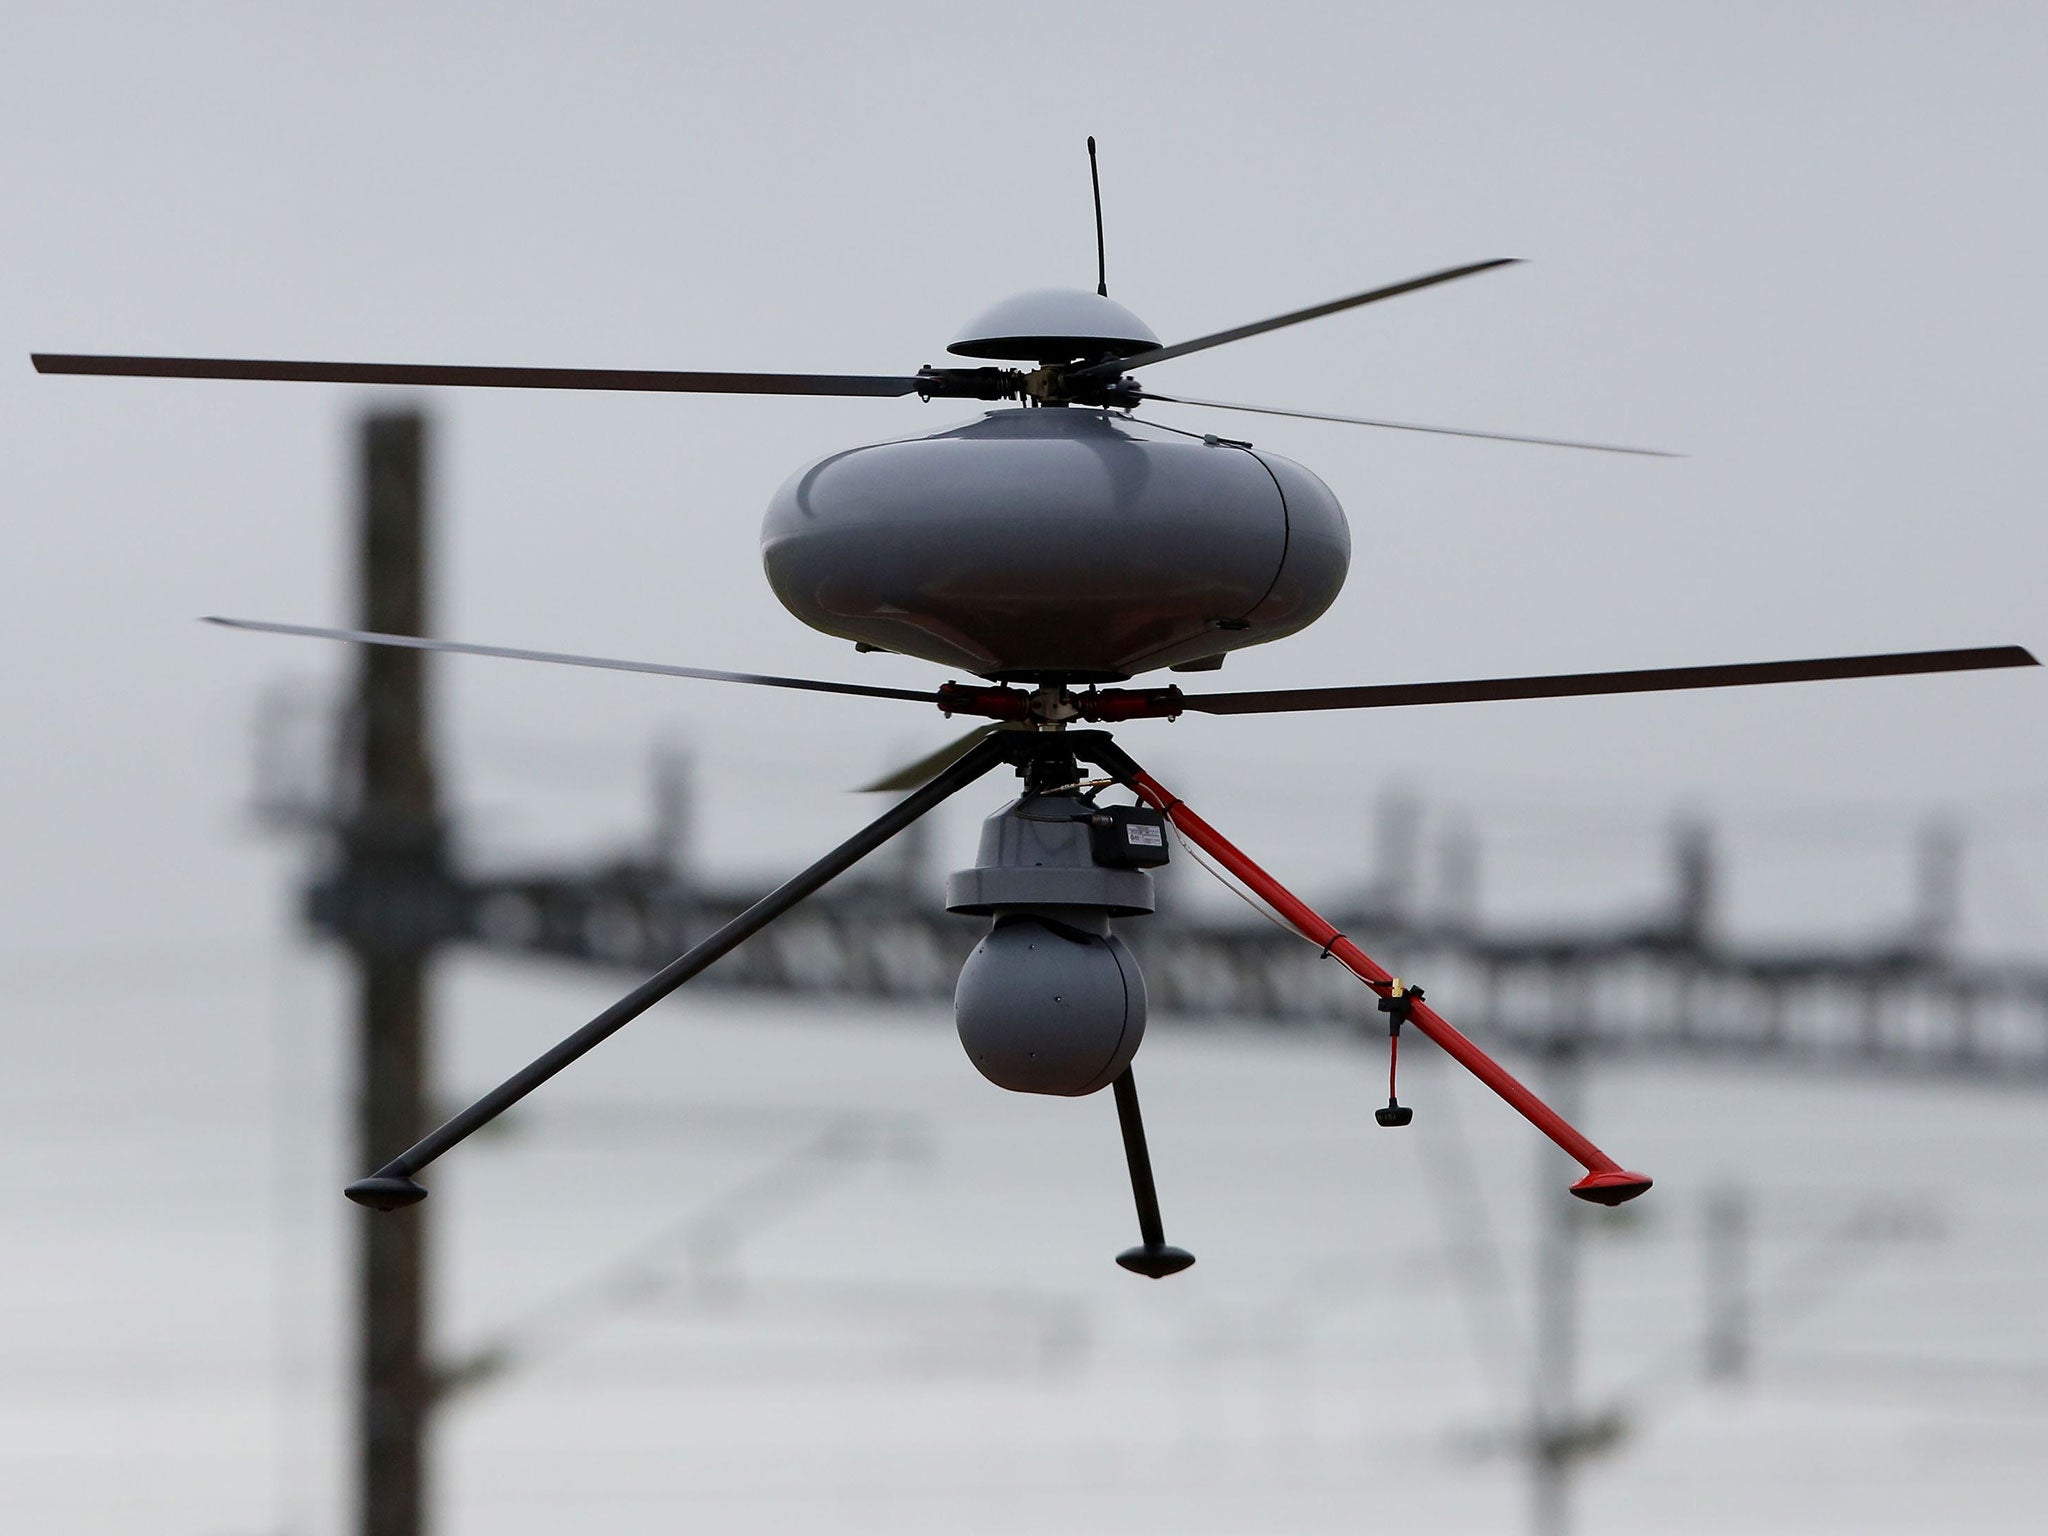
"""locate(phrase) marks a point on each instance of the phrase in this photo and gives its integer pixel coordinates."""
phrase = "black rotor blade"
(1580, 684)
(1121, 365)
(935, 762)
(1407, 426)
(512, 653)
(644, 379)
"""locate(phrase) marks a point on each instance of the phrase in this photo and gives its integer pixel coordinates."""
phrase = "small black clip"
(1399, 1007)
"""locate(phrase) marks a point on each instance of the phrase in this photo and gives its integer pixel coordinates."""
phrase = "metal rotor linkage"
(1052, 384)
(1053, 705)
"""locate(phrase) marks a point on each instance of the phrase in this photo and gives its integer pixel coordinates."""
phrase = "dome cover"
(1054, 325)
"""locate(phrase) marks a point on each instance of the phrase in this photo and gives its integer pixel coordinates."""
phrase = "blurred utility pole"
(1397, 838)
(1555, 1432)
(392, 863)
(1938, 896)
(1693, 855)
(674, 851)
(1457, 876)
(1727, 1346)
(1562, 1430)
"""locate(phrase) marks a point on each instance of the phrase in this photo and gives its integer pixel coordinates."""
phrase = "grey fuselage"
(1056, 545)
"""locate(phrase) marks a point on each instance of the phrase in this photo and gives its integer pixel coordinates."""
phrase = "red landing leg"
(1606, 1181)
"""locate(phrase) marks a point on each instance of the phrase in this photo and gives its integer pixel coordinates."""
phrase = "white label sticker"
(1143, 835)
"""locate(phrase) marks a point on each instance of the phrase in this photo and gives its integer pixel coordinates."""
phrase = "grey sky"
(1797, 248)
(1798, 243)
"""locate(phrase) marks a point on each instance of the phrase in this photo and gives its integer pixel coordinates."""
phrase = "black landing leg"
(1153, 1257)
(393, 1185)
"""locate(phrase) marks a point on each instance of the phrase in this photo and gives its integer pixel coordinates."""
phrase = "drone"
(1053, 549)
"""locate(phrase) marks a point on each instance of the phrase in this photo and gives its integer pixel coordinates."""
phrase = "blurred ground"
(933, 1338)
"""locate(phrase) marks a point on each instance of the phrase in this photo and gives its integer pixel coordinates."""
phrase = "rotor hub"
(1053, 706)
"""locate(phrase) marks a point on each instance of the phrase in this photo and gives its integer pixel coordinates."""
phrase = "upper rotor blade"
(644, 379)
(1578, 684)
(1408, 426)
(1121, 365)
(511, 653)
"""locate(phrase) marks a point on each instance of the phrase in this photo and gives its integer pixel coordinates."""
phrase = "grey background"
(1798, 243)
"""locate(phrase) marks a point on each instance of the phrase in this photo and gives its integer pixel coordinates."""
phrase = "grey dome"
(1053, 325)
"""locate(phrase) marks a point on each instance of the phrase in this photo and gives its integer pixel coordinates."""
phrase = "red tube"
(1606, 1181)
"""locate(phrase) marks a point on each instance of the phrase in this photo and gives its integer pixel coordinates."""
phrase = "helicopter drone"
(1053, 549)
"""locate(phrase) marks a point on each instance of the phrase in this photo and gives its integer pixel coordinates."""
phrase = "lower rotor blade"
(1409, 426)
(1116, 367)
(644, 379)
(913, 775)
(1580, 684)
(512, 653)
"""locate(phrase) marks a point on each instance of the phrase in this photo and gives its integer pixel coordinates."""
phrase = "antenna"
(1095, 181)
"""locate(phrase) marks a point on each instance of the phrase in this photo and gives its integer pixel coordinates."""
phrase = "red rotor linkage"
(1113, 704)
(994, 702)
(1606, 1181)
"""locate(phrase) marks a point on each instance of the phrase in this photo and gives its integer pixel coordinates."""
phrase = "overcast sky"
(1798, 247)
(1799, 244)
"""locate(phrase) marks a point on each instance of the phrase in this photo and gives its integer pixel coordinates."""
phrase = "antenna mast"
(1095, 181)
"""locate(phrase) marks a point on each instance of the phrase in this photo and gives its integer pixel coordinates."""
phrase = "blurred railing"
(1666, 986)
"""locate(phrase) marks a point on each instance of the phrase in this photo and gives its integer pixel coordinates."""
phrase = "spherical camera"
(1048, 1007)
